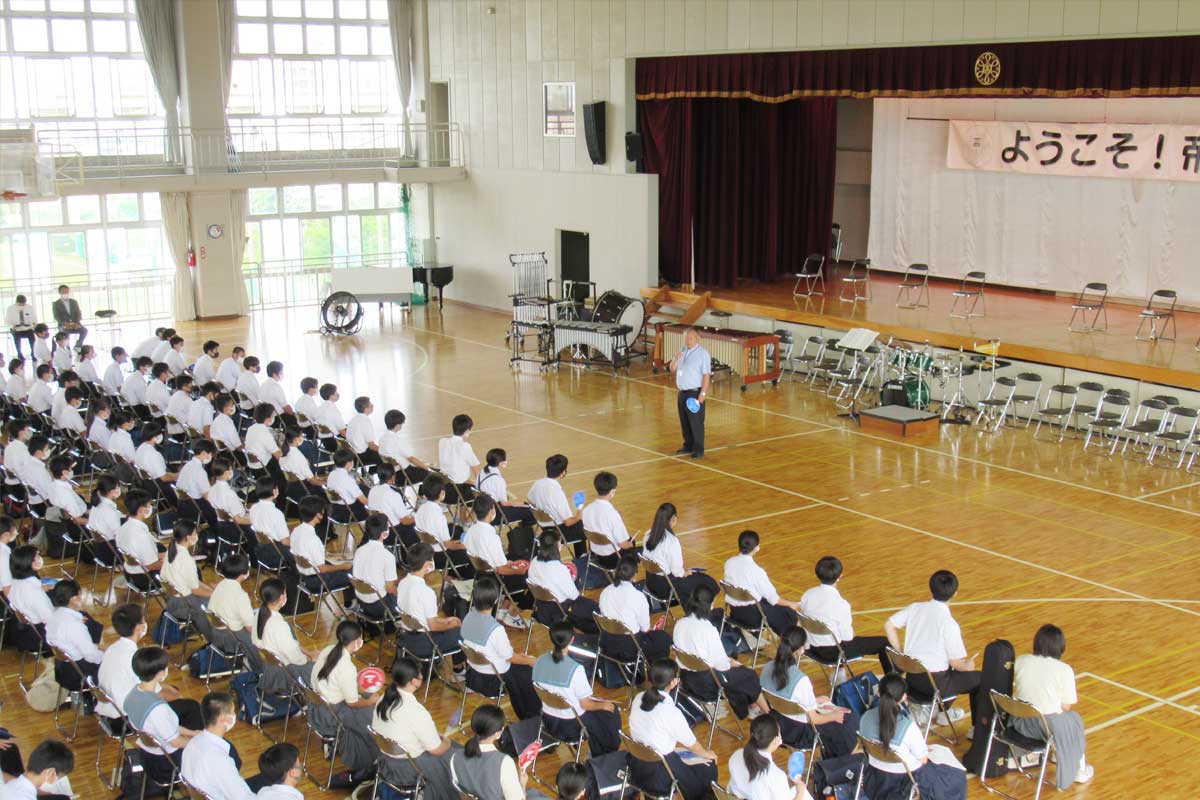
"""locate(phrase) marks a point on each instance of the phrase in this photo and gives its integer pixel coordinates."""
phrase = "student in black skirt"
(782, 676)
(662, 547)
(656, 722)
(696, 634)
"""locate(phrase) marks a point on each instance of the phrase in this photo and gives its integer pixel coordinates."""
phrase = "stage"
(1030, 326)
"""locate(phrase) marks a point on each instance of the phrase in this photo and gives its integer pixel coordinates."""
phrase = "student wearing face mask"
(208, 764)
(335, 679)
(49, 763)
(150, 714)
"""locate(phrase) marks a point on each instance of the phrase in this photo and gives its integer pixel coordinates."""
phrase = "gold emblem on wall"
(987, 68)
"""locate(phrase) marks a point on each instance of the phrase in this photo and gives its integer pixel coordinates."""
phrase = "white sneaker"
(954, 715)
(919, 714)
(1085, 773)
(512, 620)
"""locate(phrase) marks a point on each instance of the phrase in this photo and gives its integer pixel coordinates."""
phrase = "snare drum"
(921, 362)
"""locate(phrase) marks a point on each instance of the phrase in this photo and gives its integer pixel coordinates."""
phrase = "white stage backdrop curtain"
(178, 228)
(157, 24)
(238, 206)
(1042, 231)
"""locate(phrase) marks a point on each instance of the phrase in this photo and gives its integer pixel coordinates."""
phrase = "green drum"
(917, 391)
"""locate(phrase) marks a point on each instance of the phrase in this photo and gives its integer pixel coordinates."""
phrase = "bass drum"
(628, 312)
(917, 391)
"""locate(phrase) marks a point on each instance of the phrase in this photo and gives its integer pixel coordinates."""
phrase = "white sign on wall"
(1098, 150)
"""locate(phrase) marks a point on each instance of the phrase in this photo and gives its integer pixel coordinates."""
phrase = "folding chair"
(385, 621)
(1063, 411)
(146, 741)
(1007, 709)
(997, 404)
(411, 626)
(312, 701)
(390, 751)
(933, 704)
(482, 567)
(266, 545)
(709, 706)
(74, 696)
(1160, 309)
(553, 700)
(810, 352)
(611, 626)
(602, 539)
(790, 708)
(183, 623)
(1110, 418)
(811, 273)
(540, 595)
(970, 289)
(1148, 420)
(38, 662)
(233, 658)
(1028, 392)
(321, 595)
(154, 590)
(744, 596)
(881, 752)
(295, 695)
(1090, 301)
(815, 627)
(476, 658)
(647, 754)
(857, 281)
(1173, 435)
(112, 728)
(672, 599)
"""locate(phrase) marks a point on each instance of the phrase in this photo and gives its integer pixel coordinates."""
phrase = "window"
(133, 95)
(303, 87)
(559, 106)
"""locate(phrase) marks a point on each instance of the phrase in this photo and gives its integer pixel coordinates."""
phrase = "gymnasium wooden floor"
(1037, 532)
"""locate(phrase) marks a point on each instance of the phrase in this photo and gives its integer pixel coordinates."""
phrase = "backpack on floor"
(858, 693)
(245, 685)
(133, 774)
(997, 673)
(837, 777)
(166, 632)
(207, 661)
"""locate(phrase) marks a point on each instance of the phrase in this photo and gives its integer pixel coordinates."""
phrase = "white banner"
(1097, 150)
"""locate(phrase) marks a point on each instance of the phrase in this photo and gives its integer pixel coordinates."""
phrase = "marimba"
(753, 355)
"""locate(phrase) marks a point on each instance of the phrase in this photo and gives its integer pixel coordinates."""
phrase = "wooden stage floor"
(1037, 532)
(1029, 325)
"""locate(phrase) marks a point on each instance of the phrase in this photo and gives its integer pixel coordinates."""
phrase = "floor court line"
(863, 514)
(1166, 491)
(1159, 702)
(750, 519)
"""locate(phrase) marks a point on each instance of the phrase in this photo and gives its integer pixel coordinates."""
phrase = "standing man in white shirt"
(932, 636)
(693, 371)
(205, 368)
(20, 319)
(360, 433)
(601, 516)
(742, 571)
(207, 761)
(825, 604)
(457, 459)
(547, 494)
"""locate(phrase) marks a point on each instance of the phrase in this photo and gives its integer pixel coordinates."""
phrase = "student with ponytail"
(547, 571)
(753, 773)
(335, 679)
(656, 722)
(662, 547)
(624, 601)
(481, 630)
(401, 718)
(697, 635)
(559, 673)
(180, 572)
(889, 722)
(782, 676)
(273, 634)
(484, 771)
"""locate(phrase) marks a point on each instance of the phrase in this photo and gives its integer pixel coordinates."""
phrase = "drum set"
(912, 373)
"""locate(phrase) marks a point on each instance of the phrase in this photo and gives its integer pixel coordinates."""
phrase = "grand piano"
(439, 275)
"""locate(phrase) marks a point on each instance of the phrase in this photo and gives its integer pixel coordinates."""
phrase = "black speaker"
(593, 128)
(633, 146)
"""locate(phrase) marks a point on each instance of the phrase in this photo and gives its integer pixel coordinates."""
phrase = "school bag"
(997, 673)
(166, 632)
(837, 777)
(245, 685)
(858, 693)
(206, 661)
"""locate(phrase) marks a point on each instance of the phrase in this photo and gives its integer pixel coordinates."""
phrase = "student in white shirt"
(149, 713)
(247, 382)
(547, 494)
(782, 676)
(268, 520)
(116, 676)
(662, 547)
(430, 519)
(174, 358)
(393, 447)
(625, 602)
(354, 502)
(515, 670)
(230, 369)
(273, 634)
(104, 518)
(375, 565)
(224, 430)
(50, 763)
(120, 437)
(491, 482)
(60, 358)
(86, 368)
(825, 604)
(384, 498)
(16, 452)
(888, 722)
(230, 603)
(753, 773)
(360, 433)
(147, 346)
(192, 485)
(1042, 679)
(35, 475)
(180, 571)
(335, 679)
(66, 380)
(114, 374)
(74, 633)
(98, 433)
(483, 543)
(27, 595)
(40, 395)
(306, 404)
(207, 763)
(418, 599)
(601, 516)
(742, 571)
(547, 571)
(456, 459)
(222, 497)
(296, 468)
(260, 440)
(328, 416)
(158, 394)
(159, 354)
(134, 539)
(308, 544)
(205, 368)
(559, 673)
(8, 535)
(280, 771)
(271, 391)
(932, 636)
(655, 721)
(148, 459)
(200, 415)
(133, 390)
(63, 495)
(15, 387)
(696, 634)
(180, 404)
(401, 718)
(68, 417)
(42, 353)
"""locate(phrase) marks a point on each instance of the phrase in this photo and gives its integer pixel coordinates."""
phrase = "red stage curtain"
(1145, 67)
(753, 182)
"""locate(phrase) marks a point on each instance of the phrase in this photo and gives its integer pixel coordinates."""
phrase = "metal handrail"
(136, 295)
(294, 282)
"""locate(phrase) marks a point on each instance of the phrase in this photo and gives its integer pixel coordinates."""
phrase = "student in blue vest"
(782, 676)
(151, 715)
(480, 628)
(889, 722)
(561, 674)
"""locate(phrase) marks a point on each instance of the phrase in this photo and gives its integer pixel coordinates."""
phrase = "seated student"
(86, 369)
(203, 411)
(16, 452)
(601, 516)
(753, 773)
(271, 391)
(42, 352)
(481, 630)
(1042, 679)
(308, 545)
(27, 595)
(180, 405)
(273, 634)
(134, 539)
(481, 769)
(120, 436)
(662, 547)
(193, 483)
(114, 374)
(230, 369)
(180, 572)
(221, 495)
(224, 430)
(393, 447)
(208, 763)
(417, 599)
(335, 679)
(74, 633)
(402, 719)
(66, 380)
(230, 604)
(98, 433)
(782, 676)
(360, 433)
(375, 565)
(296, 468)
(116, 675)
(104, 517)
(825, 603)
(491, 482)
(50, 764)
(656, 722)
(247, 382)
(8, 535)
(384, 498)
(267, 519)
(547, 494)
(456, 458)
(63, 495)
(151, 461)
(133, 388)
(571, 782)
(60, 357)
(205, 368)
(279, 772)
(328, 416)
(547, 571)
(742, 571)
(483, 543)
(932, 636)
(557, 672)
(625, 602)
(34, 473)
(15, 388)
(430, 519)
(40, 393)
(148, 345)
(306, 404)
(342, 483)
(158, 394)
(260, 440)
(164, 345)
(887, 722)
(696, 634)
(149, 713)
(68, 418)
(174, 358)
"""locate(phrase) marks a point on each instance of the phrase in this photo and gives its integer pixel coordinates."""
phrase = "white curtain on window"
(157, 24)
(177, 225)
(238, 205)
(405, 24)
(226, 44)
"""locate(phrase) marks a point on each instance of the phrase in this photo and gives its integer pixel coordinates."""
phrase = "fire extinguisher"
(191, 261)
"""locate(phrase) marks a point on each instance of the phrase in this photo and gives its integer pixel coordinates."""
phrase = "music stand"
(857, 340)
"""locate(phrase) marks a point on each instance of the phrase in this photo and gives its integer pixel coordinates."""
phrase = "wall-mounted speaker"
(594, 117)
(633, 146)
